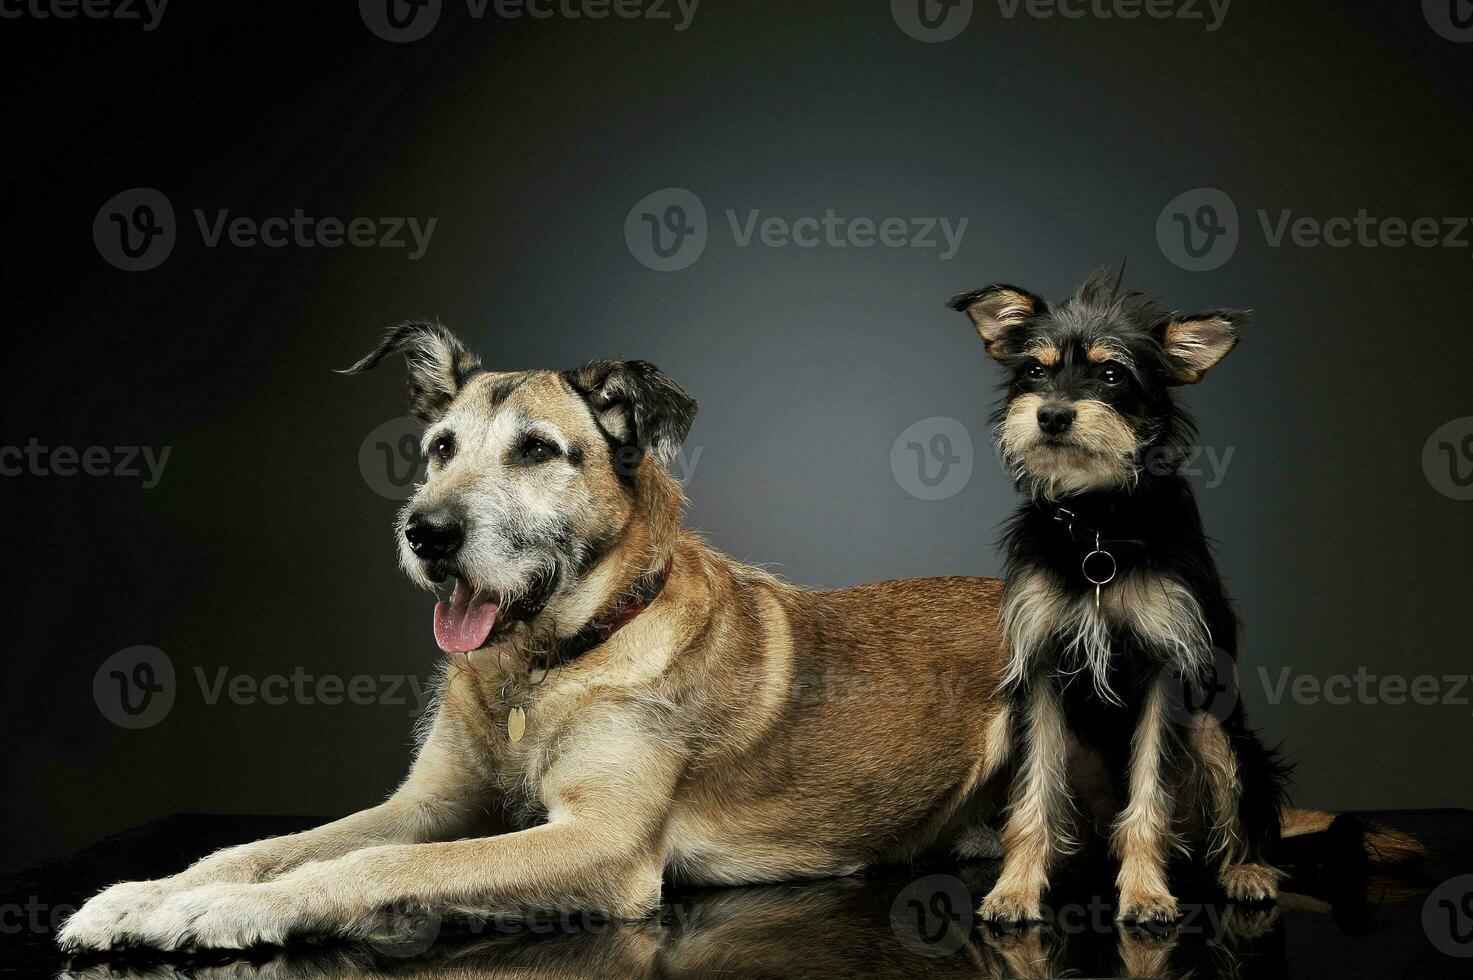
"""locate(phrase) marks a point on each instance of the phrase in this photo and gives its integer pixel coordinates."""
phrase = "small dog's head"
(1089, 391)
(534, 478)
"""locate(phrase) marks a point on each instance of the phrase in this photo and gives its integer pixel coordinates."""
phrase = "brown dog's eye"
(1112, 374)
(444, 447)
(537, 450)
(1037, 372)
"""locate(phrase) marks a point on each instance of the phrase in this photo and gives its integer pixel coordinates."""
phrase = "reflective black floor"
(892, 923)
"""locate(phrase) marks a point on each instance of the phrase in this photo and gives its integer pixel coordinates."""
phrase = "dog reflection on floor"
(891, 925)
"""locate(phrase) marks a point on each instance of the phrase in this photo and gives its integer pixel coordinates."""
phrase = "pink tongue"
(463, 623)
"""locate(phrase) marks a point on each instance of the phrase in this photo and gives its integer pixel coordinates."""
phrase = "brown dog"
(622, 702)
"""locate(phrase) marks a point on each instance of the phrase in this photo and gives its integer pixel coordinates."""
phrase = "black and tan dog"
(622, 704)
(1116, 616)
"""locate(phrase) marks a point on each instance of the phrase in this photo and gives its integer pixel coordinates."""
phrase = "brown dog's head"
(545, 489)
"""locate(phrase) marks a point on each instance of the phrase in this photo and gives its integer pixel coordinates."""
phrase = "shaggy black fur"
(1147, 521)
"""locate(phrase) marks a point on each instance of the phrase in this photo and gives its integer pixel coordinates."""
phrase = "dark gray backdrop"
(263, 550)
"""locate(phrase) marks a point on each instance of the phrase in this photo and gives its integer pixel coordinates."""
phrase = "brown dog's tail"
(1320, 837)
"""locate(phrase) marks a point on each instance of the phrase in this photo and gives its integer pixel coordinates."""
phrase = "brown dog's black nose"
(1054, 418)
(435, 535)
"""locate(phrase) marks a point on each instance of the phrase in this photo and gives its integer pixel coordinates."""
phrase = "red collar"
(623, 612)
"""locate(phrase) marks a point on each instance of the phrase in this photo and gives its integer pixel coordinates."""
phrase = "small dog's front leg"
(1035, 832)
(1142, 832)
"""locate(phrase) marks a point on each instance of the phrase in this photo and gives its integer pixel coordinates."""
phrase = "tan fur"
(1037, 609)
(995, 314)
(740, 730)
(1044, 353)
(1037, 830)
(1143, 837)
(1196, 344)
(1218, 770)
(1101, 452)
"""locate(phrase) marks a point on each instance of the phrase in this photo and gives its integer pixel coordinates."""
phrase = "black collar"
(621, 613)
(1091, 534)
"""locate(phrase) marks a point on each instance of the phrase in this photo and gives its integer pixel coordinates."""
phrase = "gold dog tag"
(516, 724)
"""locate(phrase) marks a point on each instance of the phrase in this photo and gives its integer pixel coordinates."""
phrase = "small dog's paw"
(1148, 910)
(1250, 883)
(223, 916)
(1010, 908)
(112, 917)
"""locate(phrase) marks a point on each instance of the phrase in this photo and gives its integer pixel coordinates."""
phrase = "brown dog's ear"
(638, 407)
(439, 365)
(997, 311)
(1193, 344)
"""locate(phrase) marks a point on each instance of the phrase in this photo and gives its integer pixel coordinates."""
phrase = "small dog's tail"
(1322, 837)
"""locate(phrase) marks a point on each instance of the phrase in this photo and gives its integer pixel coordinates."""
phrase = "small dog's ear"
(439, 365)
(997, 311)
(1193, 344)
(638, 406)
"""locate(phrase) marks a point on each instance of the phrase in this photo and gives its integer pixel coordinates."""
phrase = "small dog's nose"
(1054, 418)
(434, 535)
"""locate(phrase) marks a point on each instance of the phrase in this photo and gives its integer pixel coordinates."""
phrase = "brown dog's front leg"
(607, 796)
(442, 799)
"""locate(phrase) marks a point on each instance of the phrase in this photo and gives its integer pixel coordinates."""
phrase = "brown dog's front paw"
(1250, 882)
(1010, 908)
(1148, 909)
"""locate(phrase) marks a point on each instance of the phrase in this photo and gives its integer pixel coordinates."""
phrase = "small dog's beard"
(1101, 452)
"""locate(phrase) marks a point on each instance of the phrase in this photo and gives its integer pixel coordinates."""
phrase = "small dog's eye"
(443, 447)
(538, 450)
(1112, 374)
(1037, 371)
